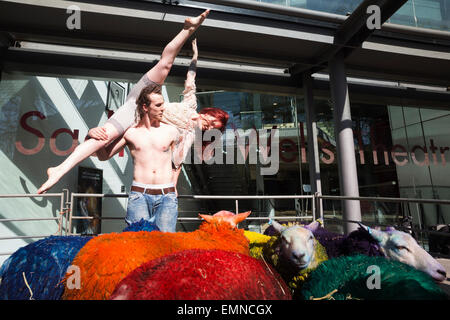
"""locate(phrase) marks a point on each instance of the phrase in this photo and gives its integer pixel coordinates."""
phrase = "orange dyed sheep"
(107, 259)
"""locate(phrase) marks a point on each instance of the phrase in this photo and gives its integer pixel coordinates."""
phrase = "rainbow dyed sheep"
(108, 258)
(203, 275)
(372, 278)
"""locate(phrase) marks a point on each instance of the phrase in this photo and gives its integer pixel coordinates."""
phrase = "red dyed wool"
(108, 258)
(203, 275)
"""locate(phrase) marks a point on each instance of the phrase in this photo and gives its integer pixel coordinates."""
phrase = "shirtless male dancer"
(163, 130)
(125, 115)
(151, 143)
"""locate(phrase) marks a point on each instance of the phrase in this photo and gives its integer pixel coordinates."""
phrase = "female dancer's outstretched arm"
(113, 129)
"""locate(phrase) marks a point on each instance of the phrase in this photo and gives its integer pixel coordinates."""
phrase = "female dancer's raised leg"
(157, 74)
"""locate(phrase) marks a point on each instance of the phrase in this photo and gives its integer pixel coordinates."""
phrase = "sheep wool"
(108, 258)
(141, 225)
(257, 242)
(357, 242)
(203, 275)
(37, 270)
(351, 277)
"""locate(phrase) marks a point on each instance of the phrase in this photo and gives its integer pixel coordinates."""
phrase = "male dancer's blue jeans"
(161, 209)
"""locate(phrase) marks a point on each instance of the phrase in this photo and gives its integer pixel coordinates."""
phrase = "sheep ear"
(278, 227)
(206, 217)
(378, 235)
(313, 226)
(390, 229)
(241, 217)
(363, 226)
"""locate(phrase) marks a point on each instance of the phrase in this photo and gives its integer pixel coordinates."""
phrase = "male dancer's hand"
(98, 133)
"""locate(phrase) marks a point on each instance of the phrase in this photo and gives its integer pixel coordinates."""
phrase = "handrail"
(385, 199)
(35, 195)
(67, 208)
(223, 197)
(45, 195)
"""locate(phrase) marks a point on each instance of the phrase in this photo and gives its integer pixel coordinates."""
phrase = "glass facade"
(42, 119)
(401, 151)
(433, 14)
(423, 134)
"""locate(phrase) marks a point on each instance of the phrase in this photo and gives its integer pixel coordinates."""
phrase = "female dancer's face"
(209, 122)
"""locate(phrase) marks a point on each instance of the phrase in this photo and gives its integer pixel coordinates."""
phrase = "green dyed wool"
(350, 277)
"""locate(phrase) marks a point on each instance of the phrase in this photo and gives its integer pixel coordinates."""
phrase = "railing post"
(317, 197)
(61, 212)
(313, 207)
(69, 230)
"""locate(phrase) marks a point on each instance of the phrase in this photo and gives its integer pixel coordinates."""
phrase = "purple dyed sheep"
(391, 243)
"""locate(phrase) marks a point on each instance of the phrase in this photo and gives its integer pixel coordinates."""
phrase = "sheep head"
(226, 216)
(297, 243)
(401, 246)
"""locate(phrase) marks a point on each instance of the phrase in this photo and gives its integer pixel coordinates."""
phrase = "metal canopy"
(282, 38)
(352, 32)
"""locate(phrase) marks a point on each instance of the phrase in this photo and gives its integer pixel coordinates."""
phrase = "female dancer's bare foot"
(53, 178)
(193, 23)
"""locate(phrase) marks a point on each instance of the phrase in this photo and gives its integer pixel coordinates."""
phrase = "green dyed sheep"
(356, 277)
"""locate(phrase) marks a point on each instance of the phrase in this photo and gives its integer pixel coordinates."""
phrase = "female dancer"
(125, 115)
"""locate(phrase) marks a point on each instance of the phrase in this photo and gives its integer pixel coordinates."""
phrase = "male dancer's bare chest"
(150, 141)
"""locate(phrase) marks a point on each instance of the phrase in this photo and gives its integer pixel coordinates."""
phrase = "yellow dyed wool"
(257, 242)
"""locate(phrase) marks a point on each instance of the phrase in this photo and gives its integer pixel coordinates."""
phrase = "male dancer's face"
(156, 107)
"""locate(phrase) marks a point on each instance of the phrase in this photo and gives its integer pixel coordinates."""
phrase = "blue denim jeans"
(161, 209)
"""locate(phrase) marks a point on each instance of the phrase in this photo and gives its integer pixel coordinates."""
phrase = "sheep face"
(401, 246)
(297, 244)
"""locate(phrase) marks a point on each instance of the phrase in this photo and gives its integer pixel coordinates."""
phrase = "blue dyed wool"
(141, 225)
(44, 263)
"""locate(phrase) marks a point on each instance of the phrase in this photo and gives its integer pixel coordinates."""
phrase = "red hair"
(217, 113)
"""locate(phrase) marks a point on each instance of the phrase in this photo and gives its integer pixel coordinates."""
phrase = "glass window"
(256, 115)
(433, 14)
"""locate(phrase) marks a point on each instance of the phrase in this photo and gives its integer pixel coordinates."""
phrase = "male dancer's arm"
(113, 148)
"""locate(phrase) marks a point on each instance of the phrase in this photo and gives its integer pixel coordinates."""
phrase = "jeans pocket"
(134, 195)
(173, 196)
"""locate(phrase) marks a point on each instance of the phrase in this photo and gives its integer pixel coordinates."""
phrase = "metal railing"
(72, 204)
(59, 217)
(67, 208)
